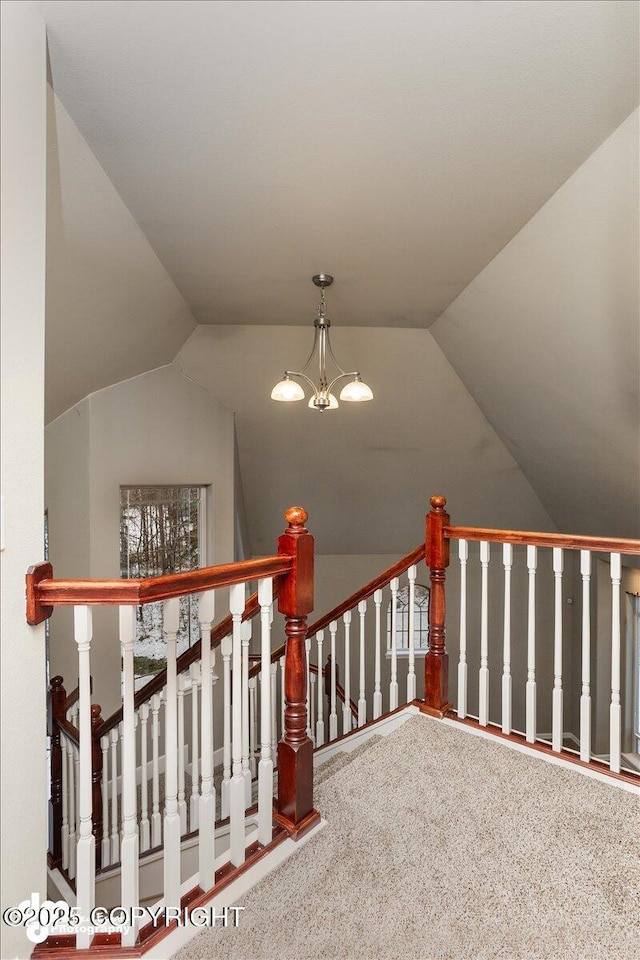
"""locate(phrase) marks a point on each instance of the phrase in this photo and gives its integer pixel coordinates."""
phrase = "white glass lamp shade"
(356, 392)
(287, 390)
(333, 403)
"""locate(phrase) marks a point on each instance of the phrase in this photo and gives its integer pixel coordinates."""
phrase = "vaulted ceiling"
(401, 146)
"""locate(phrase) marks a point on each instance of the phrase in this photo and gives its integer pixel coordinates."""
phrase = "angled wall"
(547, 340)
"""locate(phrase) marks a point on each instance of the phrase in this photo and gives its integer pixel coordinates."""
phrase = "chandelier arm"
(354, 373)
(332, 355)
(313, 349)
(294, 373)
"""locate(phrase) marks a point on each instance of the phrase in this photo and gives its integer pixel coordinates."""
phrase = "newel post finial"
(296, 517)
(436, 661)
(295, 750)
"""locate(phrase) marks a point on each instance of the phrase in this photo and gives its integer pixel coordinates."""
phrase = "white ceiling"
(398, 145)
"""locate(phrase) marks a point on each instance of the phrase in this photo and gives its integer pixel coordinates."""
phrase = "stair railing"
(81, 789)
(342, 713)
(542, 561)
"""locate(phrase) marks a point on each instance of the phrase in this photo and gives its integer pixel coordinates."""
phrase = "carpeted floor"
(445, 846)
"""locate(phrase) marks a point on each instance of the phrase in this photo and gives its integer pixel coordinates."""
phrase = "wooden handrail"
(570, 542)
(66, 727)
(368, 590)
(363, 594)
(44, 593)
(155, 685)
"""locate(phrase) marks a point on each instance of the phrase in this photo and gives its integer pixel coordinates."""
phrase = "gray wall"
(158, 428)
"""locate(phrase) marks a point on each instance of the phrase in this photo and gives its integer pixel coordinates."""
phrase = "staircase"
(156, 806)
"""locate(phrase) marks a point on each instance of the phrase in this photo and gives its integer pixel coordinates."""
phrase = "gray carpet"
(444, 846)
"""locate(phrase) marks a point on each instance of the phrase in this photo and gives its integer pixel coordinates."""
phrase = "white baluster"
(585, 699)
(246, 770)
(194, 800)
(71, 757)
(114, 737)
(507, 693)
(129, 853)
(265, 767)
(182, 803)
(226, 648)
(207, 805)
(253, 726)
(333, 716)
(274, 712)
(530, 728)
(312, 704)
(236, 788)
(171, 619)
(156, 821)
(393, 686)
(104, 790)
(377, 692)
(483, 676)
(145, 831)
(65, 803)
(307, 653)
(86, 849)
(557, 722)
(615, 716)
(321, 690)
(76, 766)
(362, 701)
(412, 574)
(346, 705)
(463, 556)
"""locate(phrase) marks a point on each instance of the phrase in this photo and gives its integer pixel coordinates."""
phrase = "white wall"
(156, 428)
(23, 782)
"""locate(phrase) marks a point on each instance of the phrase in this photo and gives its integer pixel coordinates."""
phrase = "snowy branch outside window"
(161, 532)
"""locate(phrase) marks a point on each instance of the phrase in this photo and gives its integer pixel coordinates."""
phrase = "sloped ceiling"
(400, 146)
(112, 311)
(547, 339)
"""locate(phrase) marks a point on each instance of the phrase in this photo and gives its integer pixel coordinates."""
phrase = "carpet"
(441, 845)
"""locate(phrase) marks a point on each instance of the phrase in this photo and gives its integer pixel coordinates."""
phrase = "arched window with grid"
(420, 621)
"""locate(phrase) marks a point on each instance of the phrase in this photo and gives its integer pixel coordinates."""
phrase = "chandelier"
(287, 390)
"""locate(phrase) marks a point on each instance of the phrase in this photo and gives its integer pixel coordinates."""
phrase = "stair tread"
(327, 770)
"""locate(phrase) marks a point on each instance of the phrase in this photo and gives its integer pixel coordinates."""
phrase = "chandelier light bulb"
(322, 397)
(287, 391)
(356, 392)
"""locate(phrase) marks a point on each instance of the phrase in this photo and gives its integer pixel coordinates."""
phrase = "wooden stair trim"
(598, 766)
(107, 946)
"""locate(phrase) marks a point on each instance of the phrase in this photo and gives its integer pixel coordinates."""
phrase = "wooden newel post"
(96, 780)
(295, 750)
(436, 662)
(58, 705)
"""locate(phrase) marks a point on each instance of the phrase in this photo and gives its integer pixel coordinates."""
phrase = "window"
(420, 621)
(162, 530)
